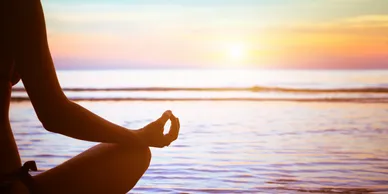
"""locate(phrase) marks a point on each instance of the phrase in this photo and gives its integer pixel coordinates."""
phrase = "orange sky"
(268, 34)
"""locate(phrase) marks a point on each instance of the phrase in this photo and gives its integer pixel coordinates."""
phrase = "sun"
(236, 52)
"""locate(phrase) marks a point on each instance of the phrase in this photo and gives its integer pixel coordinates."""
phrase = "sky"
(287, 34)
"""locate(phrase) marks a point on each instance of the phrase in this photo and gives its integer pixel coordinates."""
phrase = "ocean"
(242, 131)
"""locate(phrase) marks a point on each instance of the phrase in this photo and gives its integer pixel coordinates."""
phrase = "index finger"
(165, 116)
(173, 134)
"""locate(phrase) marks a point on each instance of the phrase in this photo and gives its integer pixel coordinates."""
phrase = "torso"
(8, 149)
(10, 159)
(8, 72)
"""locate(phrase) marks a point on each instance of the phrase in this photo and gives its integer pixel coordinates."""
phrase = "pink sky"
(274, 34)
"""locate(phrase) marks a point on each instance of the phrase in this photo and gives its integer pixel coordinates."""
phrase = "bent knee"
(140, 157)
(145, 157)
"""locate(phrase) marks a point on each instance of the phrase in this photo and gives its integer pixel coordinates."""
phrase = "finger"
(161, 143)
(172, 135)
(165, 117)
(167, 141)
(172, 118)
(164, 143)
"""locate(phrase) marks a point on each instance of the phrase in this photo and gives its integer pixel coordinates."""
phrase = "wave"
(221, 89)
(359, 100)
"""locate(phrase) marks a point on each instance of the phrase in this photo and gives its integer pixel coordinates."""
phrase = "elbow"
(49, 122)
(50, 117)
(50, 126)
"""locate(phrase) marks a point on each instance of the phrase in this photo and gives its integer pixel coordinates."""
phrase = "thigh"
(104, 168)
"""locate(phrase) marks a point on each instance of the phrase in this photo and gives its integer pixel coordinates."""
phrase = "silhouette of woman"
(113, 166)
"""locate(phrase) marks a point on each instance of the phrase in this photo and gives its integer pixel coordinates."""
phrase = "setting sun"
(236, 52)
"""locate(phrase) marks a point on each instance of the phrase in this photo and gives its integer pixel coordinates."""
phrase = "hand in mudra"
(152, 134)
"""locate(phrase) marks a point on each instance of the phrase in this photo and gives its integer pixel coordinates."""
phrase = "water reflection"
(241, 147)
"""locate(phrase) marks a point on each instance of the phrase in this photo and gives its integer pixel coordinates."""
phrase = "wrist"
(139, 135)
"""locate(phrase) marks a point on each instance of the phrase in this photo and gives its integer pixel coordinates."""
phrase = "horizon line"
(218, 68)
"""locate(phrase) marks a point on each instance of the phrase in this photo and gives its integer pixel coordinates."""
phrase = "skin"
(113, 166)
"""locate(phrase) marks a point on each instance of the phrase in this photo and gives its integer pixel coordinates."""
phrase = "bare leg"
(104, 168)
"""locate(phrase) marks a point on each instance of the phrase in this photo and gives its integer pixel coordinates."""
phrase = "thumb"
(165, 117)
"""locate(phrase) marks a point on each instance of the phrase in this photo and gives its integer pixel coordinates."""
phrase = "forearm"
(77, 122)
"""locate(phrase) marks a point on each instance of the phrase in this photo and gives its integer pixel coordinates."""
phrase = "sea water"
(242, 131)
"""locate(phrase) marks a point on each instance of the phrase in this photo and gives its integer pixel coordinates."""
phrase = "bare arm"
(36, 68)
